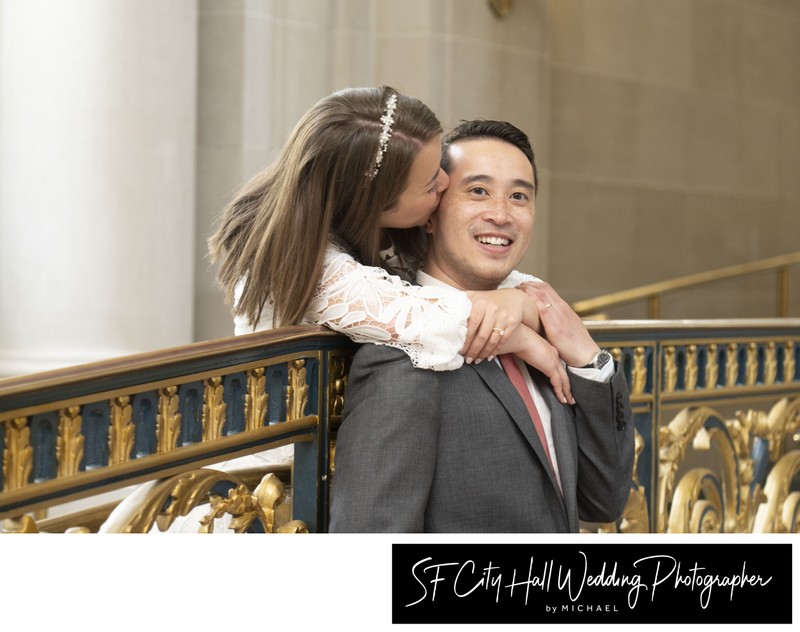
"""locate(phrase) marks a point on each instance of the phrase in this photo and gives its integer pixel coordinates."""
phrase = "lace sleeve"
(516, 278)
(370, 305)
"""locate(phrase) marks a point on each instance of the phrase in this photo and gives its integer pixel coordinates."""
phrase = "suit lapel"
(564, 442)
(504, 390)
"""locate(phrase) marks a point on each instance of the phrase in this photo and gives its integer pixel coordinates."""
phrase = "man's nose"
(497, 210)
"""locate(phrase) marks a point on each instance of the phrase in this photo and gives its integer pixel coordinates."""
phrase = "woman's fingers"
(495, 316)
(560, 381)
(540, 354)
(494, 336)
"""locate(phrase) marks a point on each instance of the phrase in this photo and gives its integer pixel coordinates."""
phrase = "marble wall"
(675, 147)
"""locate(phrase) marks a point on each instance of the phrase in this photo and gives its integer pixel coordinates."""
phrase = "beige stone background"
(667, 134)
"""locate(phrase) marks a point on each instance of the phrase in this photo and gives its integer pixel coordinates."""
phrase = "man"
(459, 451)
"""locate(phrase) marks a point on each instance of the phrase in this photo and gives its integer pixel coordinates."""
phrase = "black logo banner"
(592, 583)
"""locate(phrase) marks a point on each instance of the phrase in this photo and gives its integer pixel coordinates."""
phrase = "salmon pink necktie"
(510, 366)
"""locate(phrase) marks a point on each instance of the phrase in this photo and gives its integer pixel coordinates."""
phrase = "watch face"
(603, 358)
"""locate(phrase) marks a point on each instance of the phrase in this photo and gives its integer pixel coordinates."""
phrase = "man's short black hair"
(482, 128)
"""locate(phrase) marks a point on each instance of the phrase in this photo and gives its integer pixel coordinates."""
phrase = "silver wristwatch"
(600, 359)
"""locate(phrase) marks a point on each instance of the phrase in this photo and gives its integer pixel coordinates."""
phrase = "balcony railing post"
(783, 292)
(654, 307)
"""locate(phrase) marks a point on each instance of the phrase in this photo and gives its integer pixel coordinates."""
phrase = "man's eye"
(519, 196)
(478, 190)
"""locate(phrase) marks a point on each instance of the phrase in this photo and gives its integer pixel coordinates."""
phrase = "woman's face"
(424, 187)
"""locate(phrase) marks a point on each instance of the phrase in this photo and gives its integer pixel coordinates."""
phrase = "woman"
(302, 241)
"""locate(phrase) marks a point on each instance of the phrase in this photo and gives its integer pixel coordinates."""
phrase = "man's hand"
(563, 328)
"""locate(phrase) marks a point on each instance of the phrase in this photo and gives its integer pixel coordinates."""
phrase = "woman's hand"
(495, 315)
(561, 326)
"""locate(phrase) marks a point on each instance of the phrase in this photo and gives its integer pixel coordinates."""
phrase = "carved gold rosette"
(162, 502)
(727, 498)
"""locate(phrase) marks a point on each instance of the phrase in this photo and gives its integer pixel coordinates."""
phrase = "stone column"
(97, 150)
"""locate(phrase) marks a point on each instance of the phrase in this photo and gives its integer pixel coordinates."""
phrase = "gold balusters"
(712, 367)
(770, 364)
(255, 401)
(69, 448)
(639, 372)
(731, 365)
(296, 390)
(751, 365)
(121, 431)
(214, 409)
(17, 454)
(169, 419)
(691, 368)
(670, 370)
(788, 362)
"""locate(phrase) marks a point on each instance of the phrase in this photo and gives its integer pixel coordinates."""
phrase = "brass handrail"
(653, 292)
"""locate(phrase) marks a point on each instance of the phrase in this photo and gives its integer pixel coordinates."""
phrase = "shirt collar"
(423, 278)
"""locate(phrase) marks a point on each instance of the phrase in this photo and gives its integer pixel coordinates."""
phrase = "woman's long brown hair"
(275, 232)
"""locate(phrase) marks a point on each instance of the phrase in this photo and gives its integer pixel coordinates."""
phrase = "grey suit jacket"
(456, 451)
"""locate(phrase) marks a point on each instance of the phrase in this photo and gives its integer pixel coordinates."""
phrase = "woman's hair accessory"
(386, 133)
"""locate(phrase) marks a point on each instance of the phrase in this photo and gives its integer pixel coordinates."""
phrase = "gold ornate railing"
(654, 292)
(75, 433)
(716, 409)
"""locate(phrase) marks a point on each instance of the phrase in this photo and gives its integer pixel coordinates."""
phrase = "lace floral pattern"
(368, 304)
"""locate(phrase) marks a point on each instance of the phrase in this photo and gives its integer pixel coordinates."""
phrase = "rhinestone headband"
(386, 133)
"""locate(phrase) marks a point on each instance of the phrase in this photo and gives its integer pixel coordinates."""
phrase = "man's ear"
(430, 223)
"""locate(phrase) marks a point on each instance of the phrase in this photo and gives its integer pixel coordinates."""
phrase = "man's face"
(483, 225)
